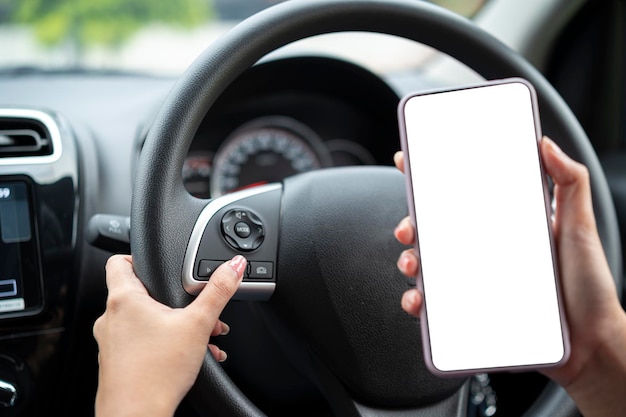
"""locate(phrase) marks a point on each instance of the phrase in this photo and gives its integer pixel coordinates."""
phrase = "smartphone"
(480, 203)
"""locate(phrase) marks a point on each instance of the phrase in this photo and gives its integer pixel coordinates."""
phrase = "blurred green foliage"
(102, 22)
(109, 23)
(463, 7)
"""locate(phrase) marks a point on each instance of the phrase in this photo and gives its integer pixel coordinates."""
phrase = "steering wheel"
(325, 236)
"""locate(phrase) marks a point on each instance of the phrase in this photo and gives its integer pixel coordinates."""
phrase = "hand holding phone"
(479, 200)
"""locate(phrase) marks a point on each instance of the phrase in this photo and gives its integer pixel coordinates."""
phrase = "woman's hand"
(595, 373)
(150, 354)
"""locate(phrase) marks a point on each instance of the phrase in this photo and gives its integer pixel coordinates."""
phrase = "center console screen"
(20, 272)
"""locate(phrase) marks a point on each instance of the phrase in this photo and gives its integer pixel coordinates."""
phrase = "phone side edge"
(565, 333)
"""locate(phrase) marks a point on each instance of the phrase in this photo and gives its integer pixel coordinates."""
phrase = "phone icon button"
(261, 270)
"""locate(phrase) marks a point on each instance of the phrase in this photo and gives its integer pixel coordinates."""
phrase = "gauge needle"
(254, 184)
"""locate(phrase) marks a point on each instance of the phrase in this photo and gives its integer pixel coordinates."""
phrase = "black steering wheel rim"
(163, 213)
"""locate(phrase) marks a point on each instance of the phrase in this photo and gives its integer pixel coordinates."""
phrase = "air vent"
(28, 136)
(21, 142)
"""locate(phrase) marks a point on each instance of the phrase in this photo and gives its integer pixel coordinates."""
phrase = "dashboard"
(291, 116)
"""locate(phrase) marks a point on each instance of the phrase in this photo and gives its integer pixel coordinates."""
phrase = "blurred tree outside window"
(118, 34)
(107, 23)
(466, 8)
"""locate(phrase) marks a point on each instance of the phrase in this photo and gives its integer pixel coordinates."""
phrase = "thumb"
(220, 288)
(572, 191)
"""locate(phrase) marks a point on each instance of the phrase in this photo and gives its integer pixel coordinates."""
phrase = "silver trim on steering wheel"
(247, 290)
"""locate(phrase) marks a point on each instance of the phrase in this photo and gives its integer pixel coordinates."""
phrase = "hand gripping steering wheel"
(325, 238)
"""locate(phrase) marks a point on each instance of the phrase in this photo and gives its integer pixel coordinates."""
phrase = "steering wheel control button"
(261, 270)
(243, 230)
(207, 267)
(254, 270)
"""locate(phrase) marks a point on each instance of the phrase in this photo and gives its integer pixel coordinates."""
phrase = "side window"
(587, 67)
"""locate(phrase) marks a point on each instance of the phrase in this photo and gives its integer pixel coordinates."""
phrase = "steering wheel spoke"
(245, 222)
(344, 404)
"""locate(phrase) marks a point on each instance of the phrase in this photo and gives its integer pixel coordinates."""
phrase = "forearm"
(600, 388)
(117, 407)
(134, 397)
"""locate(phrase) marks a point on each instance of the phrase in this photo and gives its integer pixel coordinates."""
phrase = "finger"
(408, 263)
(219, 289)
(572, 189)
(217, 353)
(412, 302)
(120, 275)
(398, 159)
(220, 329)
(405, 231)
(97, 329)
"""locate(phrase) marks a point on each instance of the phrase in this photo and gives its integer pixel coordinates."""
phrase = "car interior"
(288, 119)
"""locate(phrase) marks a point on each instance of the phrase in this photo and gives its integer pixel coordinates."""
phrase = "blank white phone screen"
(488, 275)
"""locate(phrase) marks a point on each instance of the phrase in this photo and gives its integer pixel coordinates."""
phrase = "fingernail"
(223, 356)
(409, 300)
(403, 262)
(553, 145)
(406, 302)
(225, 329)
(238, 264)
(399, 231)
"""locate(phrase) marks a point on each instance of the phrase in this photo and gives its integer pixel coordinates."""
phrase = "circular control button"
(242, 229)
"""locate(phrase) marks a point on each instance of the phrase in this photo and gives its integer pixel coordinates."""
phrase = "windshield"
(154, 36)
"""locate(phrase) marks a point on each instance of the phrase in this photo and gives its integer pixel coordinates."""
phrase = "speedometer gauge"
(266, 150)
(196, 173)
